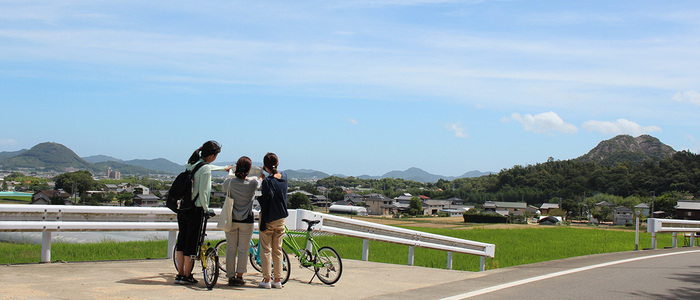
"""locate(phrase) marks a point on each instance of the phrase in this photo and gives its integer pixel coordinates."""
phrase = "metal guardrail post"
(675, 240)
(692, 239)
(482, 263)
(449, 260)
(410, 255)
(46, 246)
(365, 250)
(653, 240)
(172, 240)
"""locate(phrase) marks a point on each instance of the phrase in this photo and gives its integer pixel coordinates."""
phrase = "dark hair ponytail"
(209, 148)
(243, 167)
(271, 162)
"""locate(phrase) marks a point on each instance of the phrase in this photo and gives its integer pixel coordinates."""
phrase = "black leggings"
(190, 226)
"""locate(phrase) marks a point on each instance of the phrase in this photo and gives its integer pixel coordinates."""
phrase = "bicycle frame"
(311, 247)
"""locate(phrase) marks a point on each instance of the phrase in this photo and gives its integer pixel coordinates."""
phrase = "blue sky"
(349, 87)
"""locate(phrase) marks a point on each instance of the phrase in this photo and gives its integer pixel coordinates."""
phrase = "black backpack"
(180, 193)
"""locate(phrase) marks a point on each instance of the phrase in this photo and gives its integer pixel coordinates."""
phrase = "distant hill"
(158, 164)
(51, 156)
(305, 174)
(625, 148)
(100, 158)
(419, 175)
(124, 168)
(57, 157)
(8, 154)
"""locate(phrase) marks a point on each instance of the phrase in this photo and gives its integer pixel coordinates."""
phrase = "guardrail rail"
(54, 218)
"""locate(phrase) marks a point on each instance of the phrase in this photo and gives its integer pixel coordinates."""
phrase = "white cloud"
(353, 121)
(621, 126)
(688, 96)
(544, 123)
(458, 129)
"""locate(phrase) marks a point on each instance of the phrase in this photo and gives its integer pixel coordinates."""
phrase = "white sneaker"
(277, 285)
(264, 285)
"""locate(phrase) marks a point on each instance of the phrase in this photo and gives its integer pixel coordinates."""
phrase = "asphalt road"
(653, 274)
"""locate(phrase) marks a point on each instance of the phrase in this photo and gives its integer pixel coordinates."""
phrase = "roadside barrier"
(675, 226)
(54, 218)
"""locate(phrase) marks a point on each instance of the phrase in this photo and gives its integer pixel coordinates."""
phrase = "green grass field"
(513, 247)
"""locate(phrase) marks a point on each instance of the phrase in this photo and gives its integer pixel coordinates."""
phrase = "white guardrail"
(53, 218)
(675, 226)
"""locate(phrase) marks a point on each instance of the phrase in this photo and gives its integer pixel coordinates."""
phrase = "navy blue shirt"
(273, 201)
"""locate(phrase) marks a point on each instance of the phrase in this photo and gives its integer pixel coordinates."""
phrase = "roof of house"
(688, 205)
(549, 205)
(505, 204)
(54, 193)
(622, 209)
(437, 202)
(146, 197)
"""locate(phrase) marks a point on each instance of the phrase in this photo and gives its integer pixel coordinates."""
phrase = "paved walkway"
(667, 273)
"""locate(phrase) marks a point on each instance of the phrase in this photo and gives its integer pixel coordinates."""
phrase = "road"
(655, 274)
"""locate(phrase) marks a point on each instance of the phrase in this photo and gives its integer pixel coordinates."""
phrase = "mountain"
(8, 154)
(420, 175)
(100, 158)
(52, 156)
(124, 168)
(305, 174)
(158, 164)
(625, 148)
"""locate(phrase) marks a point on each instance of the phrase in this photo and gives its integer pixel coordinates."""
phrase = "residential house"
(688, 210)
(110, 187)
(44, 197)
(506, 208)
(545, 208)
(622, 215)
(432, 207)
(643, 208)
(456, 201)
(141, 189)
(319, 200)
(146, 200)
(378, 204)
(353, 198)
(404, 199)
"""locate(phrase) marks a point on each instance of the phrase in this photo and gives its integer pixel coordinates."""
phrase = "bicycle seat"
(311, 222)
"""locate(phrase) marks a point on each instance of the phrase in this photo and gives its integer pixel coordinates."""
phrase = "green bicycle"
(207, 255)
(325, 261)
(254, 257)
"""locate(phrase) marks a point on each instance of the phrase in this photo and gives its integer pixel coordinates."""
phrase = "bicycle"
(253, 257)
(207, 255)
(325, 260)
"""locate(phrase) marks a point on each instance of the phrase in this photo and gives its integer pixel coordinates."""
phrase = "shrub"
(484, 218)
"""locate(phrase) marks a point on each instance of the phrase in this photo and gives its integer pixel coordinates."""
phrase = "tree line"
(571, 182)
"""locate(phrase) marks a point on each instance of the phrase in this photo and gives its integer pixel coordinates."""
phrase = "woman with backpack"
(273, 211)
(239, 219)
(190, 221)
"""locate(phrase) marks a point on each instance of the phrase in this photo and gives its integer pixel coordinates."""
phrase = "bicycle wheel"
(177, 269)
(286, 267)
(210, 268)
(332, 265)
(254, 256)
(221, 251)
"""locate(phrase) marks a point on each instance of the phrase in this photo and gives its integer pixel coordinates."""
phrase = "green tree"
(415, 207)
(336, 194)
(126, 198)
(79, 181)
(298, 200)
